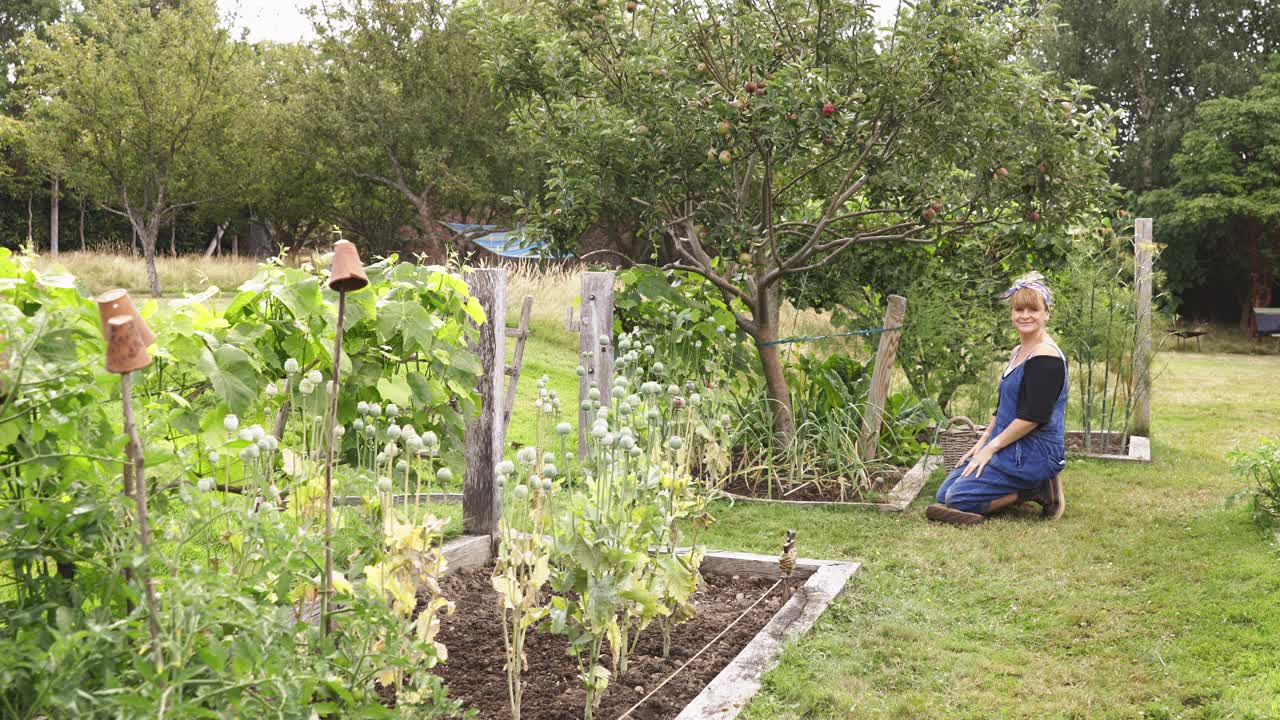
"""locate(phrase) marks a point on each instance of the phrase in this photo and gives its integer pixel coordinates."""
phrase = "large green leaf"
(232, 373)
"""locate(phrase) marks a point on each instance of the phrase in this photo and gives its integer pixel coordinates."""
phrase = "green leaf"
(232, 374)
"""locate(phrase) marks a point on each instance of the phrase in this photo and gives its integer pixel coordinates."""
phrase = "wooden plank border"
(725, 696)
(900, 496)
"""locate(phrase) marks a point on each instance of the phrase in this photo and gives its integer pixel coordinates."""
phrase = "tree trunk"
(775, 379)
(173, 237)
(147, 230)
(29, 226)
(431, 233)
(235, 244)
(53, 219)
(216, 243)
(82, 224)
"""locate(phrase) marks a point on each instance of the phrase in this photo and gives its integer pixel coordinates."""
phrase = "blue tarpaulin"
(507, 243)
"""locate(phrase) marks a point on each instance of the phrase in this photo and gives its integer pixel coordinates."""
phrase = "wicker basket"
(956, 441)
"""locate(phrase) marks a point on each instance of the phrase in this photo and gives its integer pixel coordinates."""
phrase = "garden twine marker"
(348, 275)
(126, 352)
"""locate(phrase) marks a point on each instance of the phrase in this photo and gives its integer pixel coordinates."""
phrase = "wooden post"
(886, 356)
(1143, 250)
(595, 345)
(481, 502)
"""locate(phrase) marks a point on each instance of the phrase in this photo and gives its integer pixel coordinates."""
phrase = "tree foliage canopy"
(765, 140)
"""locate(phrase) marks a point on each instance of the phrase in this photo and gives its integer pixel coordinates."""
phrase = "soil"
(1103, 443)
(828, 491)
(474, 673)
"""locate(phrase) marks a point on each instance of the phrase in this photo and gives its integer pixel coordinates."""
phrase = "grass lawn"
(1154, 597)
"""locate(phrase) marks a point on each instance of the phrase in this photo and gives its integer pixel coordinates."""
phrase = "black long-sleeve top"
(1042, 379)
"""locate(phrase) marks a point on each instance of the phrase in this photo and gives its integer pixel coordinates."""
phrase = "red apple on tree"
(1002, 172)
(1034, 216)
(828, 109)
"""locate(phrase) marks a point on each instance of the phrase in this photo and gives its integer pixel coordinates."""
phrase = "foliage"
(138, 108)
(851, 140)
(398, 98)
(685, 319)
(1228, 172)
(234, 507)
(1261, 465)
(1156, 61)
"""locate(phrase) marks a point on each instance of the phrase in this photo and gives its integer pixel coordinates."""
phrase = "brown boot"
(941, 513)
(1051, 498)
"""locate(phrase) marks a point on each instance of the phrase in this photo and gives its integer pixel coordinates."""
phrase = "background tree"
(1154, 61)
(140, 106)
(768, 139)
(1228, 186)
(401, 100)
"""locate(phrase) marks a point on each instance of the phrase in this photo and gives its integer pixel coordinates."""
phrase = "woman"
(1019, 456)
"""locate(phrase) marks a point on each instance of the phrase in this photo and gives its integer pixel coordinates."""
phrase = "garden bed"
(1109, 446)
(716, 684)
(899, 490)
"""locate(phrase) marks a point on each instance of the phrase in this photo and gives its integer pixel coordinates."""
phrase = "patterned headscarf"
(1032, 281)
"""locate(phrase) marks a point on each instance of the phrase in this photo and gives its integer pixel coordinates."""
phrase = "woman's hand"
(969, 453)
(979, 461)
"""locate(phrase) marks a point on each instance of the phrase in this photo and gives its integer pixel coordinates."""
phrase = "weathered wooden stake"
(595, 345)
(133, 456)
(481, 502)
(520, 333)
(1142, 257)
(886, 357)
(331, 418)
(347, 275)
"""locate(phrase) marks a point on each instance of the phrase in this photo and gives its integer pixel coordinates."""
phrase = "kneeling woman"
(1019, 456)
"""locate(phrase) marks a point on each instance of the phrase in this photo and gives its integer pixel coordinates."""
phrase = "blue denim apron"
(1019, 468)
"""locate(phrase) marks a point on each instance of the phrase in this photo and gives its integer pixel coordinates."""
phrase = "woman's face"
(1029, 320)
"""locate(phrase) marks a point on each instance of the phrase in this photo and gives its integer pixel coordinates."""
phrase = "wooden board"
(357, 500)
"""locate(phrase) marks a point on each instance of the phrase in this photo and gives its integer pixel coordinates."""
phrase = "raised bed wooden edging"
(725, 696)
(900, 496)
(1139, 449)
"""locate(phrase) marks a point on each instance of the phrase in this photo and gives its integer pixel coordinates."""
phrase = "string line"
(704, 649)
(810, 338)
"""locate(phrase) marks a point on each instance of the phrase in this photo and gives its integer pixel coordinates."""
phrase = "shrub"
(1262, 466)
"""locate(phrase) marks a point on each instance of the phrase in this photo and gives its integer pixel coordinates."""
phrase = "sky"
(283, 21)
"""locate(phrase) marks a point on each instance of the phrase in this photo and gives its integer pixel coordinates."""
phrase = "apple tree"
(764, 139)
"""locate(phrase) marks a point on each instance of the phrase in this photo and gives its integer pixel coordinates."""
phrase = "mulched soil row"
(552, 691)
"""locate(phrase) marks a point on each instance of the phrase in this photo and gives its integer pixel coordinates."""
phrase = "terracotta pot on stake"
(125, 354)
(348, 275)
(114, 303)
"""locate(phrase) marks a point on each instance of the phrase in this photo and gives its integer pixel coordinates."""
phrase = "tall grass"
(98, 271)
